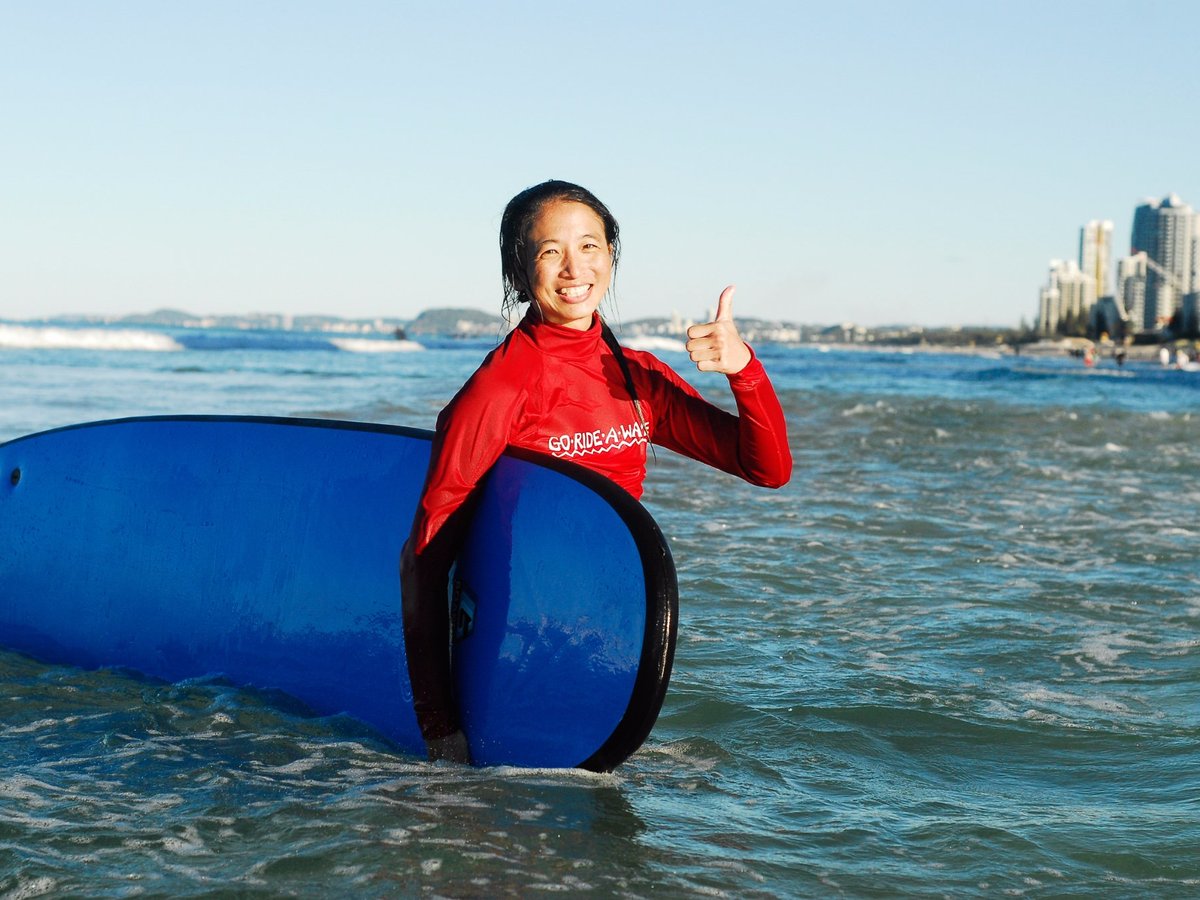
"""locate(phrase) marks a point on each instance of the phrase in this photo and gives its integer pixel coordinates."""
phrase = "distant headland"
(470, 323)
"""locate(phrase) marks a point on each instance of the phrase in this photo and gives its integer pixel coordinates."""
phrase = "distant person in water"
(558, 377)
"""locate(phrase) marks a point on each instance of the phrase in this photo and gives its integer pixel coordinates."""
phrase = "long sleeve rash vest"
(560, 392)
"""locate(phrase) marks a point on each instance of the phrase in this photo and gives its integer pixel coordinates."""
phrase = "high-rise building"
(1048, 302)
(1067, 298)
(1095, 251)
(1145, 227)
(1189, 320)
(1131, 289)
(1167, 231)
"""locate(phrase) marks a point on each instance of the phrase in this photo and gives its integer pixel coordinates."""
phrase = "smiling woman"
(561, 385)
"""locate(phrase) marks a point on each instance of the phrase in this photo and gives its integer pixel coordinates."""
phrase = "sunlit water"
(957, 655)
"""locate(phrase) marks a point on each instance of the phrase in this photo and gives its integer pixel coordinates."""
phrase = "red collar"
(560, 341)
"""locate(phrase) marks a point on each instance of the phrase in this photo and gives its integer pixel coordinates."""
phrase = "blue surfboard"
(265, 550)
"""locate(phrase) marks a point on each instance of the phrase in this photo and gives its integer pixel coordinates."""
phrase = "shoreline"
(1066, 348)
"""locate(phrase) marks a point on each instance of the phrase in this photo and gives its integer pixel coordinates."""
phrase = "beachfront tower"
(1048, 303)
(1145, 227)
(1131, 290)
(1167, 231)
(1095, 252)
(1067, 299)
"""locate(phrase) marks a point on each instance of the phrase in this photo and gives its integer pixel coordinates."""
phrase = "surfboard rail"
(662, 613)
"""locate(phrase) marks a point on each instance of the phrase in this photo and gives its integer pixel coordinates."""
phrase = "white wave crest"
(374, 345)
(650, 342)
(26, 337)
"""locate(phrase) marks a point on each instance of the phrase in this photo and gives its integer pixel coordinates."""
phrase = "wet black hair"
(515, 227)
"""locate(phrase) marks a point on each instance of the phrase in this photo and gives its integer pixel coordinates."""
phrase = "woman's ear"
(524, 287)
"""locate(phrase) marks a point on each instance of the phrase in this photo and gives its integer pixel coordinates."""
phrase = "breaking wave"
(374, 345)
(655, 344)
(54, 337)
(26, 337)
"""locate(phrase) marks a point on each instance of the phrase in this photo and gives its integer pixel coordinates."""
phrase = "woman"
(561, 384)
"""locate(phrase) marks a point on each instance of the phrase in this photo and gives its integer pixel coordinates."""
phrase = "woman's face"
(570, 266)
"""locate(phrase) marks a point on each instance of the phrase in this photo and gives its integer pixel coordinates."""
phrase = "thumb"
(725, 305)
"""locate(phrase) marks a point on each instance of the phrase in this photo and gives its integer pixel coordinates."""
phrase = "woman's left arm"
(753, 444)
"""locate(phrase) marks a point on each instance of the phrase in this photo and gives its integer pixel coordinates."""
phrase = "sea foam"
(27, 337)
(655, 344)
(374, 345)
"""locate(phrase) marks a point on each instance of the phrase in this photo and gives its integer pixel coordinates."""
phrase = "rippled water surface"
(957, 655)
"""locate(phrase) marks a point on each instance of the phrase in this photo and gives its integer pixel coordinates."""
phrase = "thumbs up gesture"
(717, 346)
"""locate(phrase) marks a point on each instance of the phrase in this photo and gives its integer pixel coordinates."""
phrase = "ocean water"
(959, 655)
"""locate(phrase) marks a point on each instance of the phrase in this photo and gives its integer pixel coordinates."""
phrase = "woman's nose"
(568, 264)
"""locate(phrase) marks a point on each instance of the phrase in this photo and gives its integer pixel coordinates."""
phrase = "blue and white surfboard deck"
(266, 550)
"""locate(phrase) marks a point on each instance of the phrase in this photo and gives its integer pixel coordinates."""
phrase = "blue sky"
(875, 162)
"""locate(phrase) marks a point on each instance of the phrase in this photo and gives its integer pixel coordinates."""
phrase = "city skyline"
(1157, 287)
(866, 163)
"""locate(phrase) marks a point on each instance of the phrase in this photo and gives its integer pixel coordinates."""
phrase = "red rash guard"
(560, 391)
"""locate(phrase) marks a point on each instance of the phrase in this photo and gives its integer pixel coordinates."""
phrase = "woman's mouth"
(574, 294)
